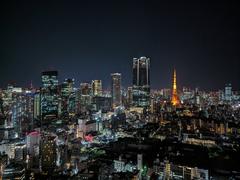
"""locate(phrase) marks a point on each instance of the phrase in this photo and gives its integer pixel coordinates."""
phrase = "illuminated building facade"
(85, 89)
(48, 152)
(67, 87)
(20, 152)
(84, 96)
(129, 96)
(141, 82)
(72, 104)
(22, 110)
(36, 105)
(5, 132)
(97, 87)
(228, 92)
(33, 148)
(167, 170)
(17, 112)
(175, 99)
(49, 95)
(67, 96)
(50, 79)
(33, 142)
(29, 96)
(102, 103)
(139, 161)
(116, 89)
(14, 171)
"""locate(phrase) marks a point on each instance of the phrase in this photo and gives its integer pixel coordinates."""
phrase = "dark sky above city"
(89, 40)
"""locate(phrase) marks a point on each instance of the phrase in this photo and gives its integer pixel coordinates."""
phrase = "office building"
(84, 96)
(67, 96)
(228, 92)
(130, 96)
(49, 95)
(85, 89)
(97, 87)
(141, 82)
(36, 105)
(116, 89)
(50, 79)
(48, 152)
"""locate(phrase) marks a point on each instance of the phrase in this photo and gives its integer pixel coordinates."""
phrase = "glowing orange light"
(175, 99)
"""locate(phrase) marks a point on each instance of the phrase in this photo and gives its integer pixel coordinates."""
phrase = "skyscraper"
(116, 89)
(97, 87)
(48, 152)
(228, 92)
(84, 96)
(141, 82)
(67, 87)
(85, 88)
(49, 95)
(36, 105)
(175, 99)
(130, 96)
(33, 148)
(49, 79)
(66, 94)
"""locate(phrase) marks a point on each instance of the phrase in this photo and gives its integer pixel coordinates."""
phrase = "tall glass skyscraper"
(116, 89)
(228, 92)
(49, 95)
(49, 79)
(141, 82)
(67, 96)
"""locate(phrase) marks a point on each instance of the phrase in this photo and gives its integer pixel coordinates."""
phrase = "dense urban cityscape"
(62, 130)
(119, 90)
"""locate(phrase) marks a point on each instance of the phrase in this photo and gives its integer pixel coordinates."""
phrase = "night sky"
(88, 39)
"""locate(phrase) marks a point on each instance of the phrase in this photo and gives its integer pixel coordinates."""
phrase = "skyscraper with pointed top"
(175, 99)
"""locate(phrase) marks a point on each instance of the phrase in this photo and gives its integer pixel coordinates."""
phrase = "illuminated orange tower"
(175, 98)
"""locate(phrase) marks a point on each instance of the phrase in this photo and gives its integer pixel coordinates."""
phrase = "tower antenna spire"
(175, 99)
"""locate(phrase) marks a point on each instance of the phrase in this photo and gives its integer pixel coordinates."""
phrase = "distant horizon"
(107, 87)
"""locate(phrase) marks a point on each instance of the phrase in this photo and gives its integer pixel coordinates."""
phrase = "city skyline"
(89, 41)
(132, 90)
(107, 84)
